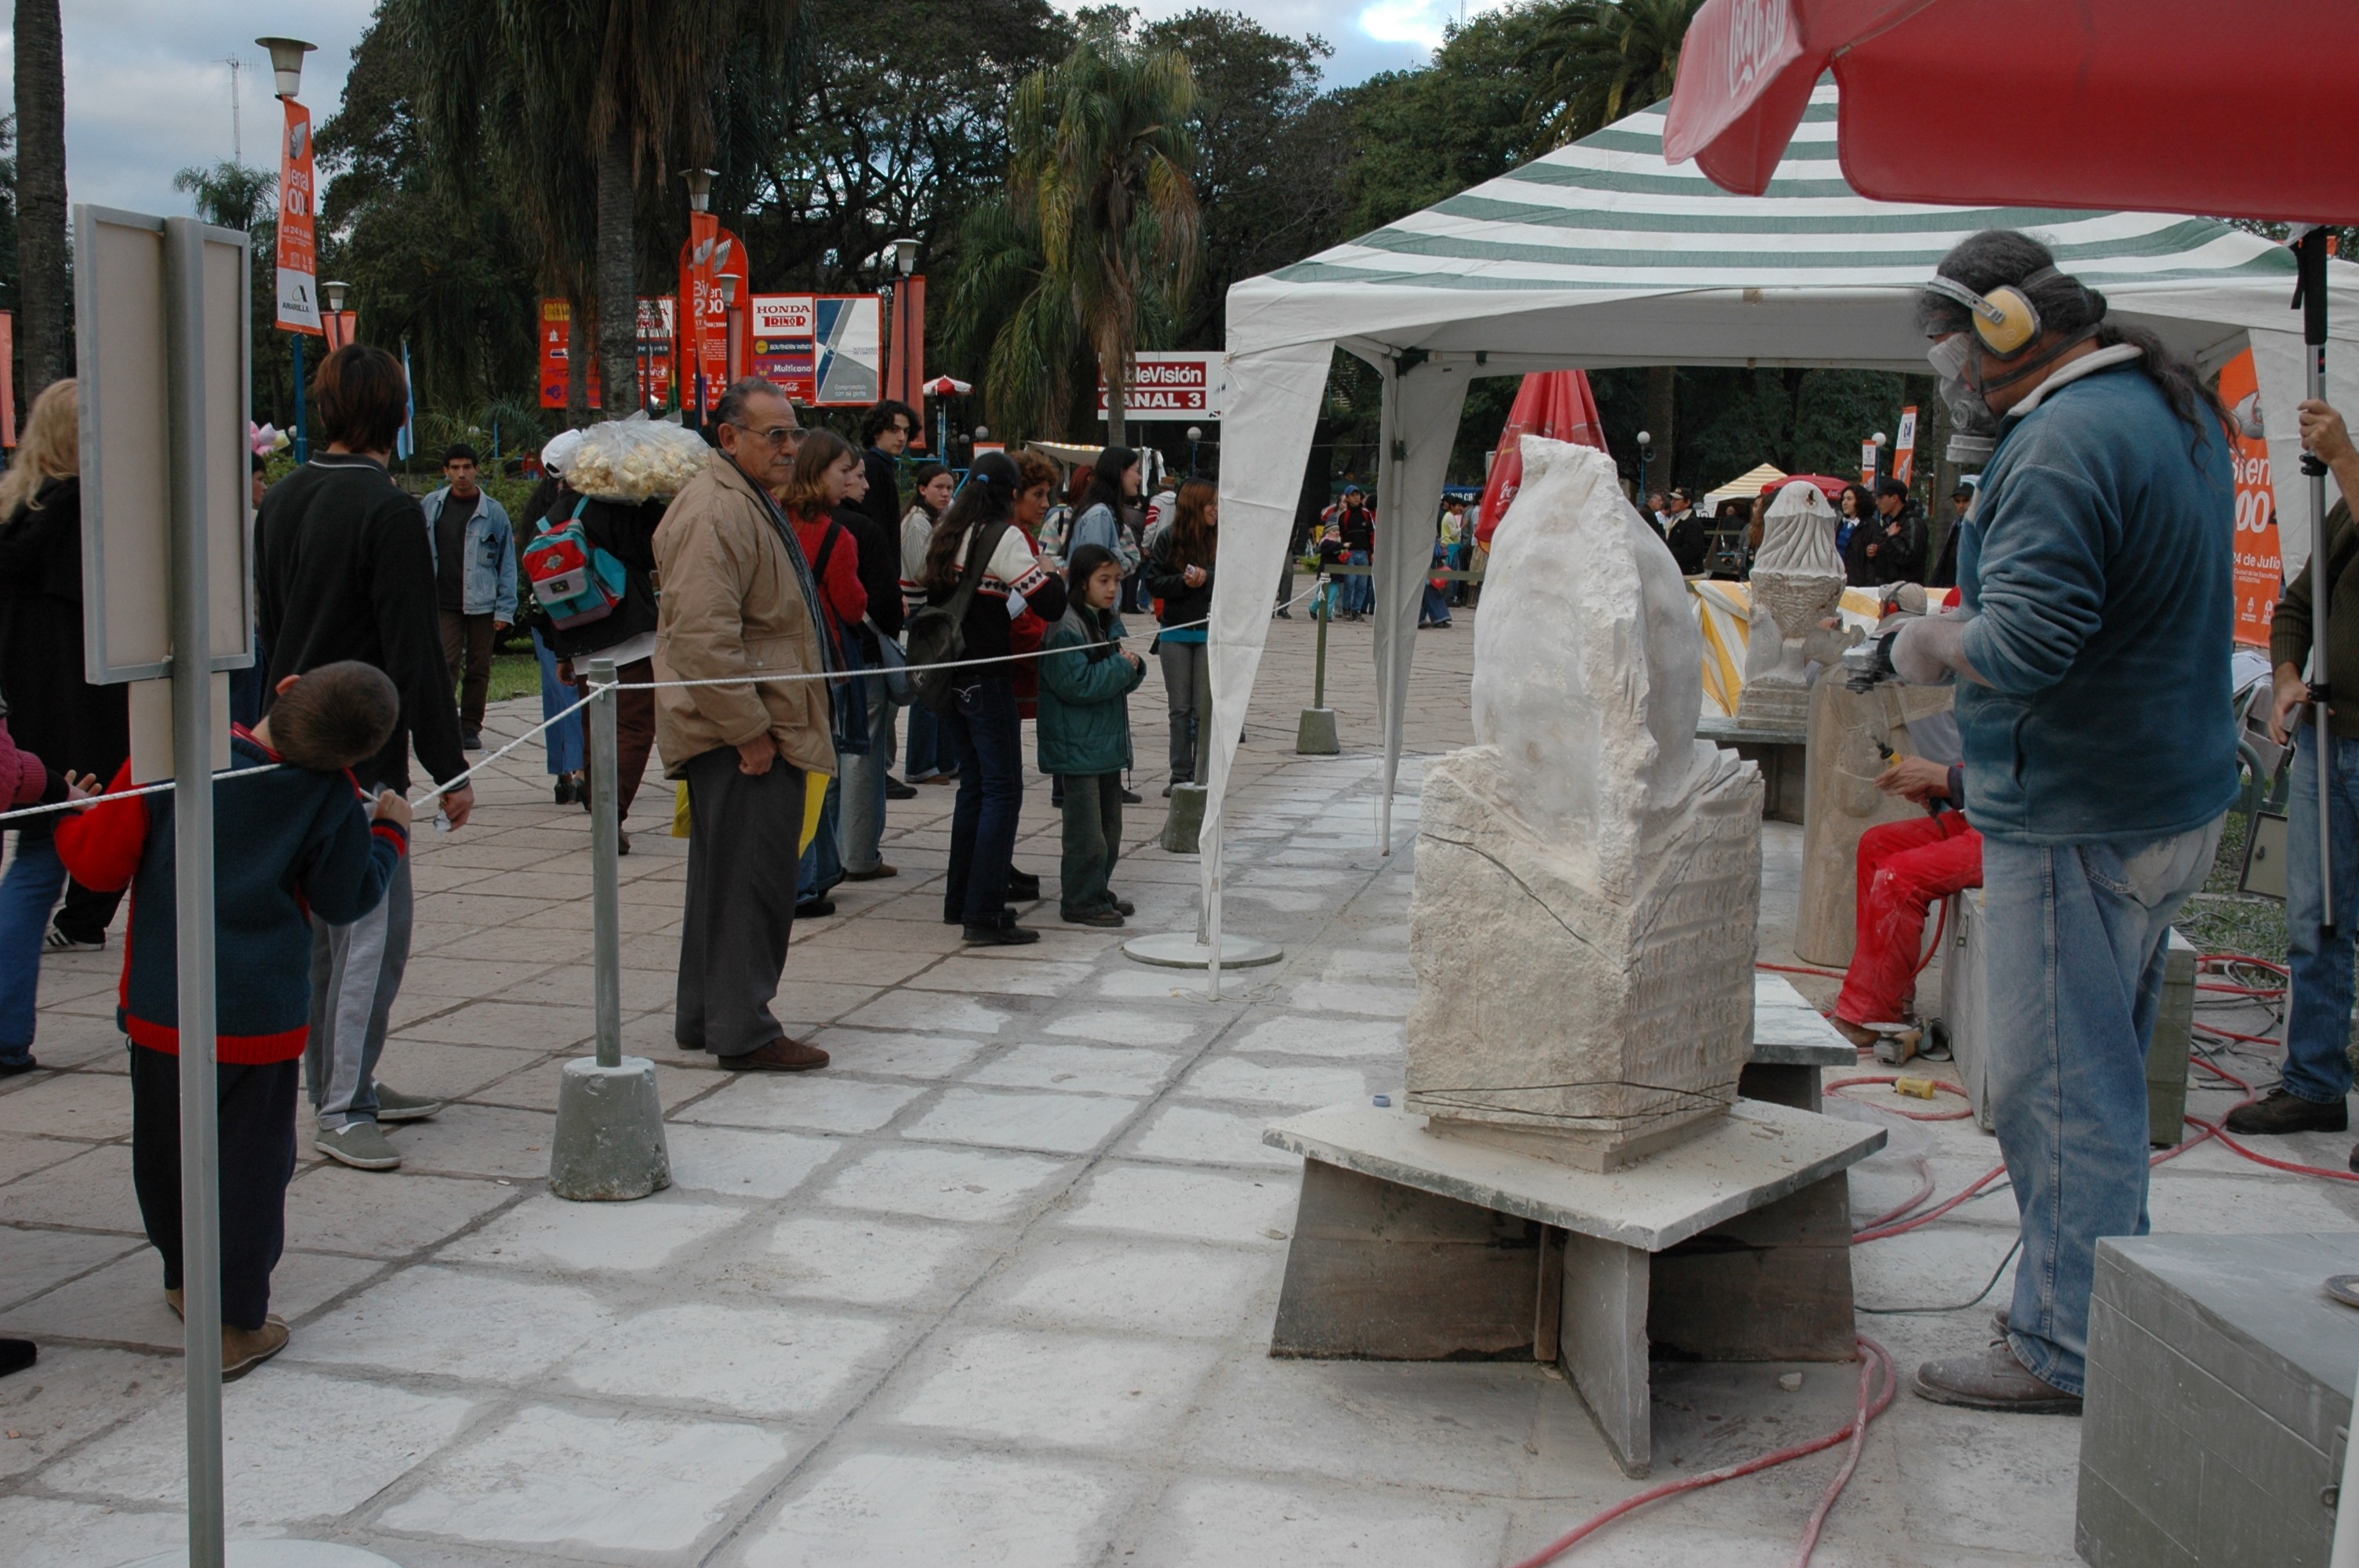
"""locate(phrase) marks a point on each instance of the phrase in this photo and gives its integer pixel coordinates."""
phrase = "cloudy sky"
(147, 85)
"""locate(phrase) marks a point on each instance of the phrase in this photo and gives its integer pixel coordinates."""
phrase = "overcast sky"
(147, 85)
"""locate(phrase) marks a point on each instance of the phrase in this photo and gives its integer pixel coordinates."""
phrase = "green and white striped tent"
(1600, 253)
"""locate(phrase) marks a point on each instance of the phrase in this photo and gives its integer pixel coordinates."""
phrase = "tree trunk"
(577, 361)
(44, 321)
(1661, 384)
(618, 303)
(1114, 385)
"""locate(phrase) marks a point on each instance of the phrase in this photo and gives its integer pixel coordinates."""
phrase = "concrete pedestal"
(1779, 750)
(1315, 736)
(609, 1143)
(1791, 1040)
(1186, 821)
(1734, 1245)
(2219, 1395)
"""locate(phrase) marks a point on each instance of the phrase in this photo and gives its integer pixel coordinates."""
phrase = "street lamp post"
(700, 203)
(1195, 434)
(729, 322)
(286, 79)
(904, 255)
(1646, 452)
(332, 294)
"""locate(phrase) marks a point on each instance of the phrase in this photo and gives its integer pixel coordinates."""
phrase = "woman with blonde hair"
(73, 725)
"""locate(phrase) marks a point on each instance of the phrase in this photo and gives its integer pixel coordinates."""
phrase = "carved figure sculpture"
(1797, 583)
(1588, 872)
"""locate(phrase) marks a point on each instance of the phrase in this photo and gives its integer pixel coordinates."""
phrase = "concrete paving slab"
(1011, 1118)
(777, 1364)
(1236, 1078)
(1077, 1069)
(592, 1238)
(1127, 1026)
(869, 1262)
(477, 1140)
(1213, 1521)
(897, 1055)
(1313, 1034)
(1062, 1390)
(1199, 1205)
(819, 1102)
(32, 1262)
(1076, 1281)
(899, 1509)
(968, 1184)
(93, 1533)
(335, 1209)
(90, 1192)
(454, 1324)
(1207, 1135)
(68, 1105)
(71, 1392)
(735, 1162)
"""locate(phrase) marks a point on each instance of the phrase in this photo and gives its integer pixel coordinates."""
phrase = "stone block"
(1841, 802)
(1186, 820)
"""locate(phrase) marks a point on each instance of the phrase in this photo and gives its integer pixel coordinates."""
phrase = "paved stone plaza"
(996, 1287)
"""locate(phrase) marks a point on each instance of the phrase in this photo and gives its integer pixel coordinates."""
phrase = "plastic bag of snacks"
(637, 459)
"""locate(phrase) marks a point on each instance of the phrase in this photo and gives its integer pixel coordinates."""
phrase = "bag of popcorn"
(637, 459)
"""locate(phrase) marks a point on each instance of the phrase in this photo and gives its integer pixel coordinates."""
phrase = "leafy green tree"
(1594, 61)
(1101, 169)
(1424, 135)
(229, 195)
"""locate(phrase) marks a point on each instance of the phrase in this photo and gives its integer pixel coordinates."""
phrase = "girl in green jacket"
(1086, 679)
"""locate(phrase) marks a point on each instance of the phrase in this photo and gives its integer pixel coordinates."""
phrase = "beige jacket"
(731, 606)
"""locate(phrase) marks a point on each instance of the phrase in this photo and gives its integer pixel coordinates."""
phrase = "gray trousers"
(863, 794)
(1092, 843)
(1186, 671)
(744, 854)
(356, 974)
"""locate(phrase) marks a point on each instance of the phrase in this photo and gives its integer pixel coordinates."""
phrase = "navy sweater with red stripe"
(287, 844)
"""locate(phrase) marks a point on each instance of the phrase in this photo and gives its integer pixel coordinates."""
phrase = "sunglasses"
(776, 436)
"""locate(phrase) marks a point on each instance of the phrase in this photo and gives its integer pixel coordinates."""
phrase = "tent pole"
(1393, 517)
(2309, 294)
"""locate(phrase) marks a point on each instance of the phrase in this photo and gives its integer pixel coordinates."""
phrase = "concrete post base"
(1182, 950)
(1187, 819)
(610, 1139)
(1315, 736)
(280, 1554)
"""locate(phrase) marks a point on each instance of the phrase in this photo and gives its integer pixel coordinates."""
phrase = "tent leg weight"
(1315, 736)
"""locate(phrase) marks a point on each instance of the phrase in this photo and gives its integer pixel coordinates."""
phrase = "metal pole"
(2310, 252)
(1319, 670)
(192, 868)
(302, 425)
(605, 867)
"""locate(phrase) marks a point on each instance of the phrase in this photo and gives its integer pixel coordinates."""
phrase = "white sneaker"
(58, 941)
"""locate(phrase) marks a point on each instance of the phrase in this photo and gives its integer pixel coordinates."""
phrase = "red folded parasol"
(2243, 110)
(1555, 404)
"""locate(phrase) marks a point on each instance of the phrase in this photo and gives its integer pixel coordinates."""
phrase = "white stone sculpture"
(1588, 873)
(1797, 583)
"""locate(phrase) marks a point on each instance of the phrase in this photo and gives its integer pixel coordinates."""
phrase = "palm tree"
(45, 321)
(1100, 172)
(606, 97)
(1596, 60)
(229, 195)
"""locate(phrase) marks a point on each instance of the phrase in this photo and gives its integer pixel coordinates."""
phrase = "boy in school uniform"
(288, 845)
(1086, 679)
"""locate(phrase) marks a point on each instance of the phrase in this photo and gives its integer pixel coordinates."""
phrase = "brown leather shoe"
(178, 1302)
(1993, 1380)
(243, 1349)
(876, 873)
(781, 1055)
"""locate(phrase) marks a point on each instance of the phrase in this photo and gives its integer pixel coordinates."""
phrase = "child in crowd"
(289, 844)
(1085, 678)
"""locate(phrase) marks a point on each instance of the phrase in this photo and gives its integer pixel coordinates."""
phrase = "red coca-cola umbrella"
(1555, 404)
(2243, 110)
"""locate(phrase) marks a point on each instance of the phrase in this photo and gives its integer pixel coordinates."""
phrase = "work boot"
(1993, 1380)
(896, 790)
(1124, 908)
(15, 1355)
(1023, 886)
(781, 1055)
(392, 1105)
(876, 873)
(243, 1349)
(363, 1145)
(2282, 1110)
(1108, 918)
(1001, 932)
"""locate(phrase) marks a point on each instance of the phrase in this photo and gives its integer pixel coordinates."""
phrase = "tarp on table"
(1599, 255)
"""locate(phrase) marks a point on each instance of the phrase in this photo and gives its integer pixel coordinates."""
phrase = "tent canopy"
(1600, 254)
(1745, 486)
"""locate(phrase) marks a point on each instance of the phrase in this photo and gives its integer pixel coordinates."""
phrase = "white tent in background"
(1602, 254)
(1745, 486)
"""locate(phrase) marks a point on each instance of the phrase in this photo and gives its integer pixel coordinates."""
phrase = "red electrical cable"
(1872, 1403)
(2231, 1034)
(1872, 1233)
(1924, 1191)
(1802, 970)
(2244, 958)
(1831, 1085)
(2240, 991)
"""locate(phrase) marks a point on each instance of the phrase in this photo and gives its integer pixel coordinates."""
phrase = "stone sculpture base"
(1737, 1247)
(1770, 704)
(1548, 1006)
(1841, 802)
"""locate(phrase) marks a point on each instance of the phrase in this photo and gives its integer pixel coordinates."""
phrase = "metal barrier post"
(609, 1142)
(1315, 735)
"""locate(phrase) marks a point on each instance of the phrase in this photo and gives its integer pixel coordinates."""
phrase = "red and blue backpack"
(572, 579)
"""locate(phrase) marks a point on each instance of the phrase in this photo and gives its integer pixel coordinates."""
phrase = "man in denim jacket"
(2091, 661)
(475, 581)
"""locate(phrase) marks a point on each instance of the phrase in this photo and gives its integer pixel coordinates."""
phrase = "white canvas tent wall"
(1601, 255)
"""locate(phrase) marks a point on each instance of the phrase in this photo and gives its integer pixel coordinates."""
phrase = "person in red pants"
(1904, 867)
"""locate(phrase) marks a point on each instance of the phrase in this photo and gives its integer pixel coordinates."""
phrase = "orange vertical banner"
(2259, 564)
(7, 378)
(1904, 447)
(299, 263)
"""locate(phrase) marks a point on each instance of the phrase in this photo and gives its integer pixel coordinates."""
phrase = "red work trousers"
(1904, 867)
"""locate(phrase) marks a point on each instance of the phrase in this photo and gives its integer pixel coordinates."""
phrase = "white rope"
(57, 806)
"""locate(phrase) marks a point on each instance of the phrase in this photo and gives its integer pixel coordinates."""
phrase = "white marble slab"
(1789, 1032)
(1754, 1156)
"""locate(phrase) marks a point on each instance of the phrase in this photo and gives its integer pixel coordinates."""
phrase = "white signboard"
(785, 314)
(1173, 385)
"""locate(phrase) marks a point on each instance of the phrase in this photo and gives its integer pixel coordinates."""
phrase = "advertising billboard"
(1172, 385)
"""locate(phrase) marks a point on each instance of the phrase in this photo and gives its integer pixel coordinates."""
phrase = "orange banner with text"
(2260, 569)
(299, 261)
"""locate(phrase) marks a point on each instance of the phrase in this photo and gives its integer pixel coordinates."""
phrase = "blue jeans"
(2075, 961)
(987, 738)
(27, 893)
(862, 800)
(565, 739)
(926, 745)
(822, 863)
(2319, 1026)
(1359, 591)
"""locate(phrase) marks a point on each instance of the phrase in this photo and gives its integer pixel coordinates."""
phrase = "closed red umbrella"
(1555, 404)
(2243, 110)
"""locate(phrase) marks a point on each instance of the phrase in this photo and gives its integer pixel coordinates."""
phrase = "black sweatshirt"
(342, 571)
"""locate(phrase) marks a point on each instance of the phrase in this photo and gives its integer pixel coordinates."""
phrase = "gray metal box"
(2220, 1380)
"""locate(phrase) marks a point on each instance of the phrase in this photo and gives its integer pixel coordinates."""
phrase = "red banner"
(904, 370)
(1554, 403)
(299, 264)
(711, 254)
(2259, 566)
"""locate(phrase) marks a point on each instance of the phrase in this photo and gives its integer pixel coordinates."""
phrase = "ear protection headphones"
(2006, 321)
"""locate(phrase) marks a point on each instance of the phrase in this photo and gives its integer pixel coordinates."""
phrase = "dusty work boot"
(2282, 1110)
(243, 1349)
(392, 1105)
(1993, 1380)
(363, 1145)
(781, 1055)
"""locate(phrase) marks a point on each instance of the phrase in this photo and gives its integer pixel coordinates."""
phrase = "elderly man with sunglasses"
(737, 598)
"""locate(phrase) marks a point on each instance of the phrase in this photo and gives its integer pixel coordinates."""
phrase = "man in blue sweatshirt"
(2090, 654)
